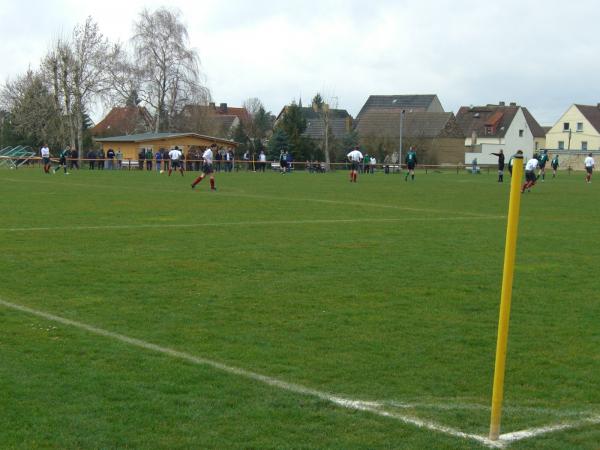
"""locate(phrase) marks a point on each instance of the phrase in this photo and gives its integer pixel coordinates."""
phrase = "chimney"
(223, 107)
(513, 104)
(502, 104)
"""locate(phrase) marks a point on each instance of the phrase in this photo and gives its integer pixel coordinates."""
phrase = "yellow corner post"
(514, 207)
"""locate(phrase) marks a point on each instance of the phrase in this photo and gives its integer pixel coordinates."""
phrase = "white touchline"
(358, 405)
(290, 387)
(244, 223)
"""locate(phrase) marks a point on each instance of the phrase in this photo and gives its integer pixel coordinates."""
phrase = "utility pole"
(400, 144)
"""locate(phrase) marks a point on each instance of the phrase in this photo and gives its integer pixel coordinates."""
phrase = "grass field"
(367, 306)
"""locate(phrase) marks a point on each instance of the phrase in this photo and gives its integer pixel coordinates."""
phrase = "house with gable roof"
(575, 134)
(436, 136)
(491, 128)
(123, 120)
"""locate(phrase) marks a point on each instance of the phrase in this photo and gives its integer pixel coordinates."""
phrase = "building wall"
(436, 106)
(449, 151)
(130, 150)
(588, 133)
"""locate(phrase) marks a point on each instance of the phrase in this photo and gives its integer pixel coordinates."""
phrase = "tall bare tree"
(170, 69)
(77, 70)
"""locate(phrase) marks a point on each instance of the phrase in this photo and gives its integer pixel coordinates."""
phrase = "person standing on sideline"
(101, 159)
(62, 162)
(74, 155)
(149, 159)
(500, 165)
(45, 154)
(355, 157)
(110, 156)
(372, 164)
(589, 167)
(119, 156)
(175, 155)
(530, 177)
(158, 157)
(411, 162)
(207, 168)
(543, 161)
(262, 161)
(554, 164)
(91, 156)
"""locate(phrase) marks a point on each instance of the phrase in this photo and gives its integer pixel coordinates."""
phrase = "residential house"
(575, 134)
(408, 103)
(436, 136)
(491, 128)
(123, 120)
(211, 119)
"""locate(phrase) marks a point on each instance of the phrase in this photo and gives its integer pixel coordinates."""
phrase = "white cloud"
(541, 54)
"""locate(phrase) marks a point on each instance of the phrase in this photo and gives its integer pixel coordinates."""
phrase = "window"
(561, 145)
(583, 145)
(579, 127)
(488, 129)
(521, 132)
(566, 126)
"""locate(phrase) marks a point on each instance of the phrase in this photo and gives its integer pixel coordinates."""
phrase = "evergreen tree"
(278, 142)
(239, 135)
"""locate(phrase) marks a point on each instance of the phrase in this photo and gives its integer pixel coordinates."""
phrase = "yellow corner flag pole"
(514, 207)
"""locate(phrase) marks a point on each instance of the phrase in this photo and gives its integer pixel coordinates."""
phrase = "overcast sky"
(544, 55)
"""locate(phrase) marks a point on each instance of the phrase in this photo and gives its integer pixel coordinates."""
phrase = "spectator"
(91, 156)
(141, 158)
(372, 164)
(101, 159)
(149, 159)
(262, 161)
(158, 157)
(74, 159)
(119, 157)
(110, 156)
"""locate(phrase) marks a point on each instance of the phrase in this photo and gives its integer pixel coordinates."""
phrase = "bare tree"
(32, 108)
(170, 69)
(76, 70)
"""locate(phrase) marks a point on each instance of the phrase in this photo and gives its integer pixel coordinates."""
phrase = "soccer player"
(176, 163)
(530, 177)
(45, 154)
(64, 154)
(283, 162)
(500, 165)
(511, 160)
(411, 162)
(589, 167)
(554, 164)
(543, 161)
(207, 168)
(355, 157)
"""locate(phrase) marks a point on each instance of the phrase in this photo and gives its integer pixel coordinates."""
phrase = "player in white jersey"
(530, 177)
(589, 167)
(176, 157)
(355, 157)
(207, 168)
(45, 154)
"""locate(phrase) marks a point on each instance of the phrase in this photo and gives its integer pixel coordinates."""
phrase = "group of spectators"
(97, 159)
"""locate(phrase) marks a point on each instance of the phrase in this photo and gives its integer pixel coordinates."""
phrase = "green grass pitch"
(383, 291)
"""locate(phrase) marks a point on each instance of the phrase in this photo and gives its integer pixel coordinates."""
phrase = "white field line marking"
(247, 223)
(356, 405)
(449, 406)
(533, 432)
(264, 197)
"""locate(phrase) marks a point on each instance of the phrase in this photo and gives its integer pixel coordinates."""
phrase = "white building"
(492, 128)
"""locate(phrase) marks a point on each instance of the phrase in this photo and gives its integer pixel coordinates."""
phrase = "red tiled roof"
(123, 120)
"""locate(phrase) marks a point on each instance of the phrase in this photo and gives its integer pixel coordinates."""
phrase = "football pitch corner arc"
(371, 407)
